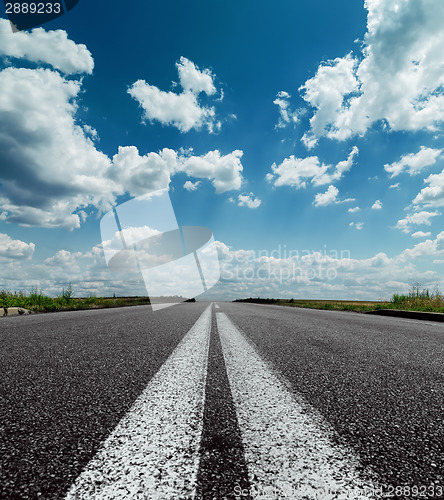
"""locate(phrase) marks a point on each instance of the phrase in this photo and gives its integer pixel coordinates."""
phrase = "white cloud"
(281, 272)
(357, 225)
(327, 198)
(285, 272)
(142, 174)
(183, 110)
(225, 171)
(421, 234)
(425, 248)
(50, 47)
(49, 168)
(249, 200)
(418, 218)
(340, 169)
(394, 186)
(397, 80)
(286, 115)
(433, 194)
(92, 132)
(296, 172)
(63, 258)
(153, 171)
(414, 163)
(180, 110)
(191, 186)
(354, 210)
(194, 80)
(15, 249)
(326, 92)
(377, 205)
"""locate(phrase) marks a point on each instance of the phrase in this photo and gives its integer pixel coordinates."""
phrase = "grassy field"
(415, 300)
(37, 301)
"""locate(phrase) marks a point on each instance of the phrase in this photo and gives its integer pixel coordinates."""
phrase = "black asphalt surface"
(68, 378)
(222, 468)
(378, 380)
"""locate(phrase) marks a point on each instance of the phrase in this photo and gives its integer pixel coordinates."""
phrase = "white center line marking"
(288, 450)
(154, 450)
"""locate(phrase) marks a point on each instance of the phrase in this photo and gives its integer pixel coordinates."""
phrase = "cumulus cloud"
(15, 249)
(279, 272)
(418, 218)
(425, 248)
(296, 172)
(224, 170)
(421, 234)
(50, 167)
(357, 225)
(194, 80)
(396, 80)
(414, 163)
(49, 47)
(394, 186)
(433, 194)
(191, 186)
(286, 115)
(330, 196)
(326, 273)
(377, 205)
(354, 210)
(326, 92)
(140, 174)
(248, 200)
(182, 110)
(64, 258)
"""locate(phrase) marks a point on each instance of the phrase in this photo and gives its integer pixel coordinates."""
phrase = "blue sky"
(306, 135)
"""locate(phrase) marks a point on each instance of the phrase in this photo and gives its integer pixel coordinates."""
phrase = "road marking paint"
(217, 306)
(154, 450)
(158, 307)
(288, 449)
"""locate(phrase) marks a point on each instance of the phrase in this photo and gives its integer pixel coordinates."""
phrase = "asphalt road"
(66, 380)
(379, 381)
(375, 383)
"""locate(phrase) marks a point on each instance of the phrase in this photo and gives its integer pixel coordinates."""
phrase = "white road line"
(154, 450)
(217, 306)
(288, 449)
(158, 307)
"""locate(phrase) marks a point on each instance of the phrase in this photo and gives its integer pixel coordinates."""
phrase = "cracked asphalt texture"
(378, 381)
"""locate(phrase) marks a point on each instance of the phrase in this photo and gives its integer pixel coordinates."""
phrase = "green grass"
(334, 305)
(419, 301)
(37, 301)
(415, 300)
